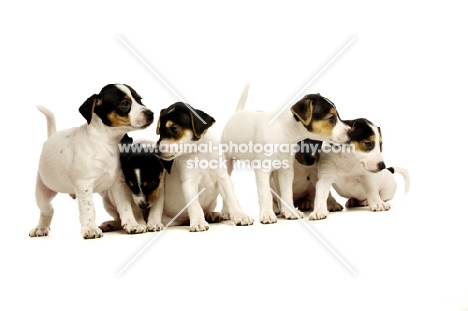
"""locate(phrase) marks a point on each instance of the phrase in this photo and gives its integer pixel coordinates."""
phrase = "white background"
(406, 71)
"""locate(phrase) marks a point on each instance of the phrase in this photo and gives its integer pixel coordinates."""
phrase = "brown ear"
(157, 126)
(87, 108)
(303, 111)
(200, 122)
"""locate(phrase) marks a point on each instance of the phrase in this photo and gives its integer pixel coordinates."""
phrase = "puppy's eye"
(332, 119)
(369, 144)
(151, 185)
(125, 104)
(174, 129)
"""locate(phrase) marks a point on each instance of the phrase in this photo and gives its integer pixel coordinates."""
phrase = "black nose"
(381, 165)
(143, 205)
(149, 114)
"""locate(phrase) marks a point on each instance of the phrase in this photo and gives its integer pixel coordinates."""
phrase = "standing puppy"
(359, 176)
(197, 175)
(305, 178)
(85, 160)
(313, 117)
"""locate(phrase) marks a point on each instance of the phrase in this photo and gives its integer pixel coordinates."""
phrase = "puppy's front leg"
(370, 185)
(285, 180)
(84, 195)
(322, 190)
(195, 211)
(265, 198)
(155, 215)
(231, 206)
(123, 200)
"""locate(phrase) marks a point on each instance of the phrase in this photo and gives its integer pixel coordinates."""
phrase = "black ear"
(126, 140)
(200, 122)
(303, 111)
(166, 164)
(87, 108)
(157, 126)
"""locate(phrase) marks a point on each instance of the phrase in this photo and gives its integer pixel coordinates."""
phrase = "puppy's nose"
(149, 114)
(143, 205)
(381, 165)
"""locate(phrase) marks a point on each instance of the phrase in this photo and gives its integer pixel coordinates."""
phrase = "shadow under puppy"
(305, 178)
(84, 160)
(185, 137)
(144, 173)
(359, 173)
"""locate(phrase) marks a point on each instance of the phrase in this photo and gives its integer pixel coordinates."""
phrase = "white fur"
(184, 183)
(82, 161)
(253, 126)
(355, 175)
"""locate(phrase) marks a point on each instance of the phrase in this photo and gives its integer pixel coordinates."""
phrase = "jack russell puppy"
(84, 160)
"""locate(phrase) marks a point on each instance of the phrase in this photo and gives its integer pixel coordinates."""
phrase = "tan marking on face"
(322, 127)
(117, 120)
(361, 145)
(169, 123)
(126, 96)
(182, 134)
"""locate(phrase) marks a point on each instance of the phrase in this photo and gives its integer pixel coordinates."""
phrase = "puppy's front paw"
(110, 225)
(379, 206)
(91, 232)
(199, 227)
(213, 217)
(288, 214)
(39, 231)
(241, 219)
(318, 215)
(268, 217)
(135, 228)
(154, 227)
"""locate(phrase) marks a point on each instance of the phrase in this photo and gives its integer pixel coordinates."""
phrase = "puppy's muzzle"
(143, 205)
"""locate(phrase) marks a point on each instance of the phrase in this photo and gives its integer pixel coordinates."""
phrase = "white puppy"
(357, 173)
(313, 117)
(198, 174)
(85, 160)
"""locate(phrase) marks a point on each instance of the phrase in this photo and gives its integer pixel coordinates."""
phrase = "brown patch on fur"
(117, 120)
(361, 145)
(323, 127)
(155, 193)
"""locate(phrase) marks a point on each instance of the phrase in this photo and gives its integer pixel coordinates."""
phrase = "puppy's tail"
(51, 127)
(243, 98)
(403, 173)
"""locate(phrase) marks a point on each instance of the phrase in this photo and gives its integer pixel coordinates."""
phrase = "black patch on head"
(181, 115)
(360, 129)
(110, 99)
(309, 151)
(321, 108)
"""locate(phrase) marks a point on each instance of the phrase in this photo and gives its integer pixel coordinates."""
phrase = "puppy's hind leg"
(44, 198)
(285, 180)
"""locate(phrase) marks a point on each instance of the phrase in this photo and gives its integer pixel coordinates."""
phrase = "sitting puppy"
(198, 174)
(305, 178)
(85, 160)
(360, 175)
(144, 174)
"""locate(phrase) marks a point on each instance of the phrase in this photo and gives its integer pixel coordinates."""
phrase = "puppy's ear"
(157, 126)
(303, 111)
(199, 127)
(166, 164)
(87, 108)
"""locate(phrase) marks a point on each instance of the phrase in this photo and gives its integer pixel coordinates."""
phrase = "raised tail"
(243, 98)
(403, 173)
(51, 127)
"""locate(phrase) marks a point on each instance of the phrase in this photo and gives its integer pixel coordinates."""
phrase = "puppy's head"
(178, 124)
(143, 171)
(308, 151)
(117, 105)
(366, 138)
(320, 118)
